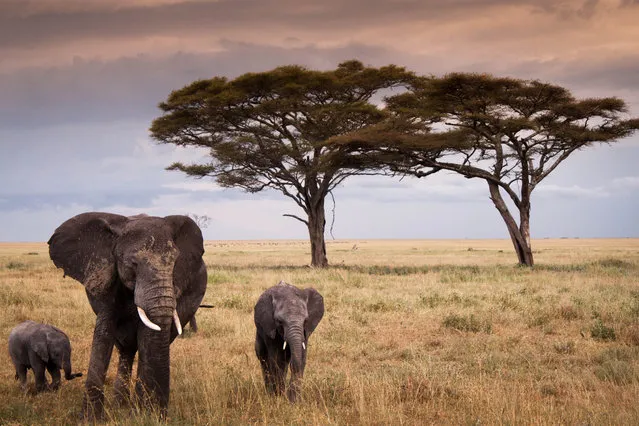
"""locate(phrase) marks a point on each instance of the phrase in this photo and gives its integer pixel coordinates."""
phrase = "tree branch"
(296, 217)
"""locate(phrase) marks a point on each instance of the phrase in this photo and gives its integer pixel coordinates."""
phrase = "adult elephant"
(144, 276)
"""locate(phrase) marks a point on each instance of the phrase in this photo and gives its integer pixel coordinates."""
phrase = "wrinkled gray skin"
(40, 347)
(285, 313)
(193, 324)
(124, 263)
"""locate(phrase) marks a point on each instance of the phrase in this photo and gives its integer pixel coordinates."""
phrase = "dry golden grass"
(415, 332)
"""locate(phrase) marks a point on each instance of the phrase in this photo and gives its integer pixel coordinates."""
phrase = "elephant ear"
(187, 237)
(38, 344)
(83, 247)
(263, 315)
(315, 308)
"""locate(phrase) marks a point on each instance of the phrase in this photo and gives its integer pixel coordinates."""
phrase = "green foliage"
(236, 302)
(467, 323)
(269, 129)
(16, 265)
(12, 297)
(599, 331)
(615, 365)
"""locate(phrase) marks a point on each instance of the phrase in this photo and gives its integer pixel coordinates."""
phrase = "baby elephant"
(285, 316)
(39, 346)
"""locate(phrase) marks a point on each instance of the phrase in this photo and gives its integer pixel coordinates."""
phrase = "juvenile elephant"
(285, 316)
(144, 276)
(40, 347)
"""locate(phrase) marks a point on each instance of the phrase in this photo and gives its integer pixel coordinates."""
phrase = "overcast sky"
(80, 82)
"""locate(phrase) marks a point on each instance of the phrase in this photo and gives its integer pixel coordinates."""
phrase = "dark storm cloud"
(131, 88)
(586, 10)
(616, 76)
(19, 28)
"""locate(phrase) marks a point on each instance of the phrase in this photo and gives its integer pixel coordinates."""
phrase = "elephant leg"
(38, 367)
(123, 379)
(54, 371)
(21, 375)
(261, 351)
(101, 349)
(282, 359)
(193, 324)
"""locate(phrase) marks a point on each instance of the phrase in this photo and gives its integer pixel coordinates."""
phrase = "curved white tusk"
(176, 320)
(147, 321)
(304, 345)
(284, 347)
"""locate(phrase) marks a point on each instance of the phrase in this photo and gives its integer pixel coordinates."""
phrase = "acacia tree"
(269, 130)
(509, 132)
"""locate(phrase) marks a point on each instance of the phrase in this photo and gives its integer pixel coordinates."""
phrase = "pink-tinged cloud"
(456, 33)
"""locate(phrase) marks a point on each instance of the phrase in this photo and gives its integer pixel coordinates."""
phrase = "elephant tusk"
(147, 321)
(284, 347)
(304, 345)
(176, 319)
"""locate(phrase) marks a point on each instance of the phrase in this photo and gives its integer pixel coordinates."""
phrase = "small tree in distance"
(201, 221)
(269, 130)
(511, 133)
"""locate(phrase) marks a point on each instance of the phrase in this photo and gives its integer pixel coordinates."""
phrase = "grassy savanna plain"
(415, 332)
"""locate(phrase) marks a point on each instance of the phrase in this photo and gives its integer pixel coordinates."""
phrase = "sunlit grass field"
(415, 332)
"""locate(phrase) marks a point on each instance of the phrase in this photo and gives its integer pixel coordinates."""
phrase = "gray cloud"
(598, 72)
(18, 28)
(130, 88)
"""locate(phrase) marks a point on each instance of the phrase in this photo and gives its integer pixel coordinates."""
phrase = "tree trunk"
(316, 225)
(524, 229)
(520, 235)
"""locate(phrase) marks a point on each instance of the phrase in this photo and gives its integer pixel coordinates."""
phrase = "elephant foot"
(42, 388)
(90, 416)
(140, 407)
(293, 393)
(92, 409)
(122, 399)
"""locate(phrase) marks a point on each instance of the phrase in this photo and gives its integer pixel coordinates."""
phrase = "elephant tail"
(72, 376)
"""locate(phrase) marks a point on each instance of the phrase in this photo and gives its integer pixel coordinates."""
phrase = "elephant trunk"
(297, 342)
(153, 382)
(158, 303)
